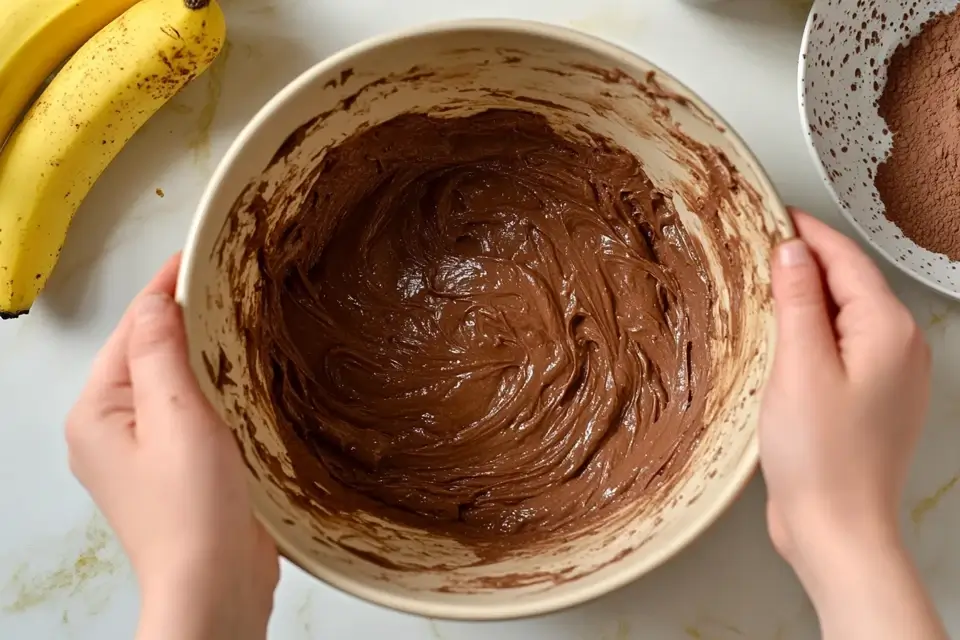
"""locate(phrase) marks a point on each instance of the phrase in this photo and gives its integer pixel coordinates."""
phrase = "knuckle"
(76, 468)
(918, 344)
(155, 335)
(98, 406)
(73, 429)
(903, 332)
(926, 355)
(799, 291)
(912, 336)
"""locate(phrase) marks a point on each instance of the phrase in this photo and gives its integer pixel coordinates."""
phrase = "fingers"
(164, 387)
(99, 427)
(804, 327)
(851, 276)
(110, 365)
(103, 416)
(870, 320)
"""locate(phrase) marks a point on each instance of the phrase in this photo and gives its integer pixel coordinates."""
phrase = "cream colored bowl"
(462, 68)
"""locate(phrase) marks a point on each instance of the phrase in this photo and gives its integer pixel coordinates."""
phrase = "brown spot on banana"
(171, 32)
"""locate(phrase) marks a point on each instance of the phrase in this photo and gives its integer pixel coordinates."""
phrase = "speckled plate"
(843, 70)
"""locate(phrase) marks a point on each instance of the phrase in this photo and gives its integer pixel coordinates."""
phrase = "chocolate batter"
(479, 327)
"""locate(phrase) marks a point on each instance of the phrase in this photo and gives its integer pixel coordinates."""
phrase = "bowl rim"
(547, 602)
(803, 69)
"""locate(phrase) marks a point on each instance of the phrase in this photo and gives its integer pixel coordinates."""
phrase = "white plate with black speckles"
(843, 70)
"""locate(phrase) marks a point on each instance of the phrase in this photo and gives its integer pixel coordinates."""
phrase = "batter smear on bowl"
(482, 328)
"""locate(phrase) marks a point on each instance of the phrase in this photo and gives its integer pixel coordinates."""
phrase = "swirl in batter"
(502, 333)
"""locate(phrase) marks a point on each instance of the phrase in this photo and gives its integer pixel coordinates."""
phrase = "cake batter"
(504, 333)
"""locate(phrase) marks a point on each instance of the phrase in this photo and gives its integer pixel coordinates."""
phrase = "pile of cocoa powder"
(919, 183)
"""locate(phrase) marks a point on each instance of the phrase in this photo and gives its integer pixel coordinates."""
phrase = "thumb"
(160, 372)
(804, 328)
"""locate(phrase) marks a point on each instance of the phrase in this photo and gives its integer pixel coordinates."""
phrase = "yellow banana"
(94, 105)
(35, 37)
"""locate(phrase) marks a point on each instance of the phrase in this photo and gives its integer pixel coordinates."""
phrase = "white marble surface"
(63, 576)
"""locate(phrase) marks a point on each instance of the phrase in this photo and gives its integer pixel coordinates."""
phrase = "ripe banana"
(100, 98)
(35, 37)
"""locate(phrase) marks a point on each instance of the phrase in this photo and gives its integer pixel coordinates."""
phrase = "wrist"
(184, 616)
(202, 602)
(187, 606)
(831, 556)
(864, 584)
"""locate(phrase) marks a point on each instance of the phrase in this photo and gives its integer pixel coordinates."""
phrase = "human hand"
(848, 394)
(849, 390)
(841, 416)
(167, 474)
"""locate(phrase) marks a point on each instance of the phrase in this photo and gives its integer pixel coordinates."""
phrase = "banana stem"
(194, 5)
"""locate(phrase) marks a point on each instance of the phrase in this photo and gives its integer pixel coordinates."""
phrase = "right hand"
(845, 404)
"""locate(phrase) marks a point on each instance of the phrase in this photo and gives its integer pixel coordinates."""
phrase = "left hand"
(166, 472)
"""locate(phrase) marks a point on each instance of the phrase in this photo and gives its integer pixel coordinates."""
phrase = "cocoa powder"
(919, 182)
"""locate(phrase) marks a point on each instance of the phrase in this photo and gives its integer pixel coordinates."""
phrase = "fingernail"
(150, 305)
(794, 253)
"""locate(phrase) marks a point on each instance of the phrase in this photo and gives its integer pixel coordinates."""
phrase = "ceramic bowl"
(843, 71)
(457, 69)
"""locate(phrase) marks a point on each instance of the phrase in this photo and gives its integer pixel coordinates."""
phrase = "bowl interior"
(582, 86)
(843, 71)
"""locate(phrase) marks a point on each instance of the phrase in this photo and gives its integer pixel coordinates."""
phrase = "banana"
(91, 109)
(35, 37)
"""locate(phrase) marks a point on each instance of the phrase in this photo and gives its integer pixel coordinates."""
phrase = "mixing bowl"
(843, 71)
(584, 87)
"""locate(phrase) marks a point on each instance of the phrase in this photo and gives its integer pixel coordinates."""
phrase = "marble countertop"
(62, 575)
